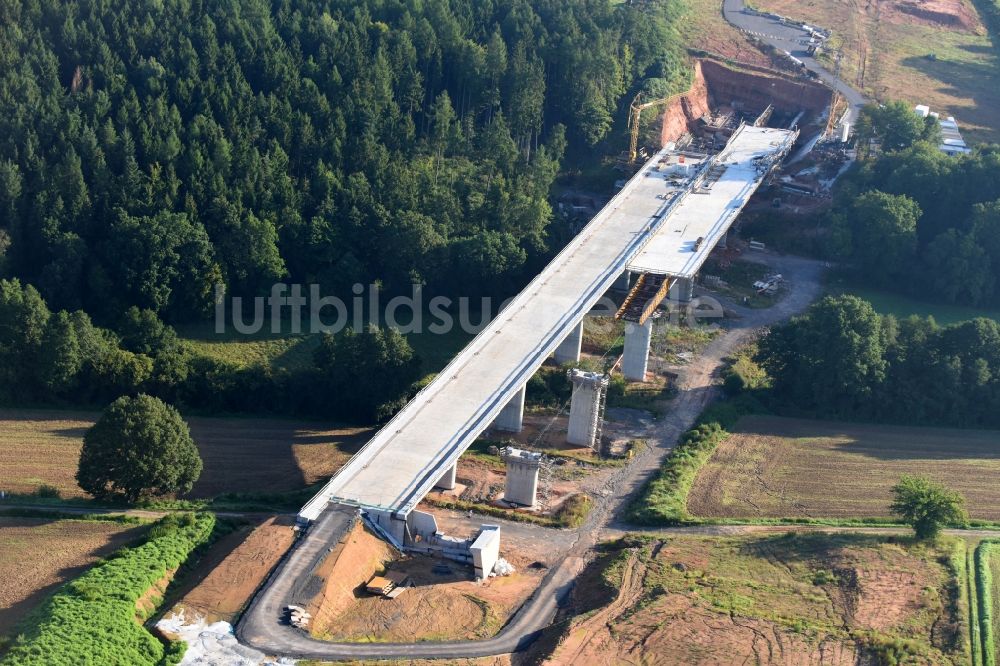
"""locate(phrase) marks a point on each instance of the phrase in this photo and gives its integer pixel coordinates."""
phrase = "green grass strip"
(984, 591)
(974, 604)
(93, 619)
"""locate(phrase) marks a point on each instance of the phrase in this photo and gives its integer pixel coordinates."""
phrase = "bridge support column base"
(569, 350)
(636, 357)
(521, 484)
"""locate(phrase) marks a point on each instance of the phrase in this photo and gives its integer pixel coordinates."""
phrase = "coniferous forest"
(151, 149)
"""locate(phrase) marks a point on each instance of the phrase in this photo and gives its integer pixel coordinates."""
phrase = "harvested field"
(934, 52)
(779, 467)
(345, 612)
(39, 554)
(806, 599)
(233, 569)
(41, 447)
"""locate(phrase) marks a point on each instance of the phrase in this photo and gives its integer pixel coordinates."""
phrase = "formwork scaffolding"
(645, 296)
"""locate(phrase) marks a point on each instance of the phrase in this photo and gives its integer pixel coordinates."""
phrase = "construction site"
(425, 516)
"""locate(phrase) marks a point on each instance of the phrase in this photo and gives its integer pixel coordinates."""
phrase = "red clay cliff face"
(686, 109)
(751, 88)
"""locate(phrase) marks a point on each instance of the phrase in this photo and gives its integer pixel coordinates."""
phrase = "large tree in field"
(139, 447)
(927, 506)
(831, 359)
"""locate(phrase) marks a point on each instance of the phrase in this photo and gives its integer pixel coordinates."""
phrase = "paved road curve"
(794, 40)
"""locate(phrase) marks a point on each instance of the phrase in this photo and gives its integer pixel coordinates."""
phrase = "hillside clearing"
(900, 50)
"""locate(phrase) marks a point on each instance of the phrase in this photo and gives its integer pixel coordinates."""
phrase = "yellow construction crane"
(635, 111)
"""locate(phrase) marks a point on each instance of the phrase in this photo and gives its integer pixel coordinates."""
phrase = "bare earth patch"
(42, 447)
(233, 569)
(39, 554)
(444, 602)
(779, 467)
(697, 600)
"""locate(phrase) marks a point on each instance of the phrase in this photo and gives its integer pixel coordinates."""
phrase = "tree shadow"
(975, 81)
(13, 616)
(803, 547)
(258, 456)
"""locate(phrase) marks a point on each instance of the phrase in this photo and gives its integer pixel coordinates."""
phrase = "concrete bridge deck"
(653, 224)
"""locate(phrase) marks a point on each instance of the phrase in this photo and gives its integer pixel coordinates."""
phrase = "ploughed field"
(39, 554)
(781, 467)
(42, 448)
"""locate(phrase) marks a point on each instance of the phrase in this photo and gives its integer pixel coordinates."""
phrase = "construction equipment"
(635, 113)
(831, 120)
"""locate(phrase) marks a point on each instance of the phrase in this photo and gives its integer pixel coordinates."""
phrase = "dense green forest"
(917, 221)
(151, 148)
(63, 358)
(843, 360)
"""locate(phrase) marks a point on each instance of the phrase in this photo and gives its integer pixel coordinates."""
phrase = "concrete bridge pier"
(623, 281)
(682, 290)
(447, 480)
(511, 417)
(636, 356)
(586, 407)
(521, 484)
(569, 350)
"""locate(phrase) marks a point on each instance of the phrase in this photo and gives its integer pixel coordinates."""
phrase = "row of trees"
(918, 221)
(149, 150)
(62, 357)
(842, 359)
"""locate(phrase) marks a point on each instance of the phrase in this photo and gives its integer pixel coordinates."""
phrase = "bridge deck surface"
(404, 459)
(709, 215)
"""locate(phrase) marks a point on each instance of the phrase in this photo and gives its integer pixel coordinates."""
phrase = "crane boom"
(635, 112)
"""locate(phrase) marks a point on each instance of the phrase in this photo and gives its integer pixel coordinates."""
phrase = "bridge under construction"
(659, 229)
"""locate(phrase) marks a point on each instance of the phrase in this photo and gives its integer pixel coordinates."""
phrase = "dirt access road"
(794, 40)
(260, 626)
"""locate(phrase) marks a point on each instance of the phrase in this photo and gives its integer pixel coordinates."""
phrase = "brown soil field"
(37, 555)
(779, 467)
(934, 52)
(42, 447)
(230, 572)
(444, 602)
(803, 599)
